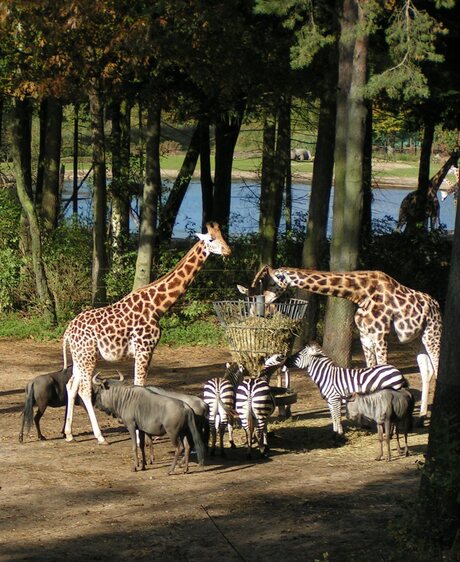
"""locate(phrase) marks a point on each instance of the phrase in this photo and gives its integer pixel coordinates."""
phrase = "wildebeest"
(140, 409)
(198, 405)
(43, 391)
(300, 154)
(387, 408)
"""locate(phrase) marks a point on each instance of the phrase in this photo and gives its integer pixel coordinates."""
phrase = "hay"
(252, 339)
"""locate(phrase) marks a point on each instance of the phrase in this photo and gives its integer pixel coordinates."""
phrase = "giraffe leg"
(426, 372)
(141, 364)
(85, 395)
(72, 388)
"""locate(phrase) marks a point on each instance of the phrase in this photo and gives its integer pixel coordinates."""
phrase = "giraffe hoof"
(102, 441)
(69, 438)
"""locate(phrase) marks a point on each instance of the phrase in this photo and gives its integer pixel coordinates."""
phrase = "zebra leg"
(335, 405)
(222, 426)
(230, 435)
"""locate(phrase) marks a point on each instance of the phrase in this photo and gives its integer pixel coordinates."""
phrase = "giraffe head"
(214, 241)
(268, 282)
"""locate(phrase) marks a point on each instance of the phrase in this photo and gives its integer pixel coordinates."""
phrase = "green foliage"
(411, 37)
(9, 275)
(177, 331)
(120, 278)
(10, 262)
(68, 258)
(25, 326)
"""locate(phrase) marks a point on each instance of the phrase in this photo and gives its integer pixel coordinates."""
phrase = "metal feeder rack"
(255, 330)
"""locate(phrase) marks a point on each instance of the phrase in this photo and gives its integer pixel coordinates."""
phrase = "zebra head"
(274, 360)
(303, 358)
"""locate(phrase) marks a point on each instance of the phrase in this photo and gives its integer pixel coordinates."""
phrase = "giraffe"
(408, 204)
(382, 303)
(449, 187)
(130, 326)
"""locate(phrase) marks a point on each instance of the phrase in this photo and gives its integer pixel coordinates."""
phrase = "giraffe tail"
(64, 350)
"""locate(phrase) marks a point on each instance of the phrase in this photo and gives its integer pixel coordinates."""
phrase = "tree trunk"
(207, 185)
(51, 165)
(227, 131)
(20, 137)
(419, 217)
(439, 512)
(75, 161)
(150, 198)
(176, 196)
(314, 247)
(366, 226)
(348, 197)
(100, 262)
(267, 192)
(119, 186)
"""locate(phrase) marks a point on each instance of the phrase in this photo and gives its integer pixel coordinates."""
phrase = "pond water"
(244, 207)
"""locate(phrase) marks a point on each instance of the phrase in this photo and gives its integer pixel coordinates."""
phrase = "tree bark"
(150, 198)
(267, 191)
(439, 511)
(348, 197)
(207, 185)
(119, 186)
(419, 217)
(227, 131)
(318, 212)
(51, 165)
(176, 196)
(75, 161)
(20, 136)
(100, 261)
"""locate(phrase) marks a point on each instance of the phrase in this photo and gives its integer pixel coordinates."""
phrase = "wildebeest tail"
(197, 438)
(27, 414)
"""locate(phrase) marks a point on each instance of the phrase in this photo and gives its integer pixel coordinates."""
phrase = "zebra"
(255, 403)
(337, 383)
(219, 395)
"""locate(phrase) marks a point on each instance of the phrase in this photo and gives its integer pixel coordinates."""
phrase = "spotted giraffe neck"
(164, 292)
(354, 286)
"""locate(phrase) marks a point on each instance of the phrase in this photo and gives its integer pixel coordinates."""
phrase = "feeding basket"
(255, 330)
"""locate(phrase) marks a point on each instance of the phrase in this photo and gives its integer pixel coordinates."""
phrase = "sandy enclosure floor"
(308, 501)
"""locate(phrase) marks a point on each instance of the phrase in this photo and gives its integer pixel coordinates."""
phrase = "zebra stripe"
(254, 404)
(219, 395)
(336, 383)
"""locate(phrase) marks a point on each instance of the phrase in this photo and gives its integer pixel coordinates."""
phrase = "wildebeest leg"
(398, 447)
(213, 439)
(380, 436)
(387, 438)
(186, 454)
(178, 449)
(132, 432)
(37, 419)
(142, 447)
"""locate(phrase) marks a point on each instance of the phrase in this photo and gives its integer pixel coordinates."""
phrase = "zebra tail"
(27, 414)
(197, 439)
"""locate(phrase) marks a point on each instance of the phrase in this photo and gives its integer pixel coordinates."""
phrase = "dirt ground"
(308, 501)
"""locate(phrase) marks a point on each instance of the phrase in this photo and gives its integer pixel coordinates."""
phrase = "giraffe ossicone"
(130, 326)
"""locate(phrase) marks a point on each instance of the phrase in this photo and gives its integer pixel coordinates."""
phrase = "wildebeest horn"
(120, 376)
(96, 380)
